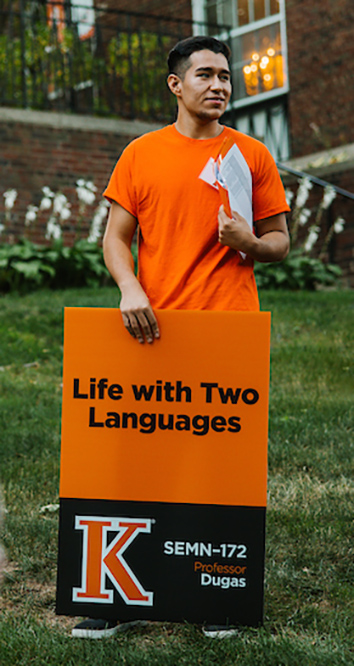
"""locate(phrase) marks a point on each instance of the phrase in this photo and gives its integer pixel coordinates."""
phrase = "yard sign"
(164, 467)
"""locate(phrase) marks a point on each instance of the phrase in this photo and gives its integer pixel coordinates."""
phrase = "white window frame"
(199, 14)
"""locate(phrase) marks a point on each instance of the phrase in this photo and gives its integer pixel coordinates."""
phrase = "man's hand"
(270, 244)
(234, 232)
(138, 316)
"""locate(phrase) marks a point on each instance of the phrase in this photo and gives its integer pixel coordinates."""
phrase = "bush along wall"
(26, 265)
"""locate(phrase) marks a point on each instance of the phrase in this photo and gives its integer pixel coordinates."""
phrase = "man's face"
(205, 88)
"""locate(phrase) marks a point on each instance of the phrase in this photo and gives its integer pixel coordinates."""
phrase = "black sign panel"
(161, 561)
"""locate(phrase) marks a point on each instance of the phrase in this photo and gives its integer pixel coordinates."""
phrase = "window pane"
(259, 67)
(274, 6)
(212, 13)
(238, 84)
(242, 12)
(227, 17)
(259, 10)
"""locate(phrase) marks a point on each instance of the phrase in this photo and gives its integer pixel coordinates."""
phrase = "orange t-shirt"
(181, 263)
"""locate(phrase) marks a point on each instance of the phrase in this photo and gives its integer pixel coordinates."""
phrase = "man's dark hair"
(178, 57)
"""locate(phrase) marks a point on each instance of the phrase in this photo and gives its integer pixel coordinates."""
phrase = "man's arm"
(137, 313)
(269, 245)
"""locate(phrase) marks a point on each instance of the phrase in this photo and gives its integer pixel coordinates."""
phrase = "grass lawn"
(309, 601)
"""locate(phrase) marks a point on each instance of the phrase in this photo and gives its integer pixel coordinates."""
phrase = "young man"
(189, 249)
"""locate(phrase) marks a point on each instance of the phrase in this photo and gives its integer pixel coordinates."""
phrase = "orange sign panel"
(183, 420)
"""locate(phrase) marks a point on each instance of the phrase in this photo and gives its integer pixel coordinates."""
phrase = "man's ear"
(174, 84)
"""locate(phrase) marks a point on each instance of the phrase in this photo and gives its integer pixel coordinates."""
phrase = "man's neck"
(198, 130)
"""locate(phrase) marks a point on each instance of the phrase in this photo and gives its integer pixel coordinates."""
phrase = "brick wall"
(180, 9)
(341, 247)
(321, 73)
(52, 149)
(55, 150)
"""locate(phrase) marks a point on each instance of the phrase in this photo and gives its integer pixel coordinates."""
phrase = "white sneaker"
(219, 631)
(91, 628)
(95, 628)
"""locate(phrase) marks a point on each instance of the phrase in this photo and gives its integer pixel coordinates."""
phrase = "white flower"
(90, 186)
(85, 196)
(10, 197)
(304, 216)
(339, 225)
(289, 194)
(2, 227)
(31, 215)
(45, 203)
(60, 201)
(303, 192)
(328, 195)
(97, 220)
(311, 238)
(53, 229)
(65, 212)
(48, 192)
(85, 190)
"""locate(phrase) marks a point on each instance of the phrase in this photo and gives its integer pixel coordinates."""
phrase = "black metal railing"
(329, 221)
(314, 179)
(110, 63)
(49, 60)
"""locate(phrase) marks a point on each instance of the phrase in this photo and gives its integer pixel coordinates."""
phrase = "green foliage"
(25, 266)
(50, 64)
(48, 67)
(32, 65)
(297, 271)
(138, 61)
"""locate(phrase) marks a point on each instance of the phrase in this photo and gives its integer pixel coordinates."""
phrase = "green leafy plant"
(49, 66)
(297, 271)
(25, 266)
(137, 61)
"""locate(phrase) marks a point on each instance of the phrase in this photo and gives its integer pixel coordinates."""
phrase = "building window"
(256, 31)
(258, 65)
(239, 12)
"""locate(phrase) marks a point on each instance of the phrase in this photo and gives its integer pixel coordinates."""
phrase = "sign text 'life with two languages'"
(167, 391)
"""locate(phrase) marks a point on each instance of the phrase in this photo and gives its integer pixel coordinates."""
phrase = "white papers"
(233, 173)
(238, 179)
(237, 176)
(208, 173)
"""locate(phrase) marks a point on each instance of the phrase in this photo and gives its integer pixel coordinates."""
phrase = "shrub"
(25, 266)
(297, 271)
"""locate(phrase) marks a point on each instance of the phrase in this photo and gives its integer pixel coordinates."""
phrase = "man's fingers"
(153, 323)
(135, 319)
(148, 324)
(141, 323)
(132, 326)
(127, 324)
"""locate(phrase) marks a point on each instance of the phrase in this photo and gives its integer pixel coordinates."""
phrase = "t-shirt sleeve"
(121, 186)
(268, 191)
